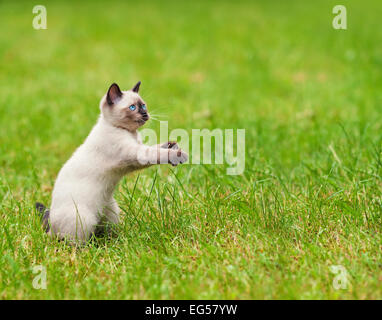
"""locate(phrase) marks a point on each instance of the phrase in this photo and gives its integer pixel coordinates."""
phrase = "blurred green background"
(309, 97)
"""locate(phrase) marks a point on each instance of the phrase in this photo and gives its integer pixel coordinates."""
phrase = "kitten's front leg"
(170, 145)
(177, 156)
(158, 155)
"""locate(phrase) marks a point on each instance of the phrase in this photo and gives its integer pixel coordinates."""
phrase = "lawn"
(308, 96)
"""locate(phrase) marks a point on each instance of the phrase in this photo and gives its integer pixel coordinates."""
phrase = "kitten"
(82, 198)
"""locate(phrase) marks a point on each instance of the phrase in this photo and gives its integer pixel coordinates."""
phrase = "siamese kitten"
(82, 198)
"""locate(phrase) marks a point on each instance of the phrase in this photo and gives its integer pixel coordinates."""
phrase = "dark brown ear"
(136, 87)
(113, 94)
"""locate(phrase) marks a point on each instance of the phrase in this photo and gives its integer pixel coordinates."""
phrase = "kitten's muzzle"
(145, 116)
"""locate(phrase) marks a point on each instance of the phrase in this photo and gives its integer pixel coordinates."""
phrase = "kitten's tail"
(44, 212)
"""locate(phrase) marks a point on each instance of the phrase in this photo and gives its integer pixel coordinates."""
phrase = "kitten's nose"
(145, 116)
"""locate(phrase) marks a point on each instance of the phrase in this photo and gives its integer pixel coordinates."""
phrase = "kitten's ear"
(136, 87)
(113, 94)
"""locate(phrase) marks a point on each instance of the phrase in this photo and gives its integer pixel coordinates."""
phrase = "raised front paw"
(170, 145)
(177, 156)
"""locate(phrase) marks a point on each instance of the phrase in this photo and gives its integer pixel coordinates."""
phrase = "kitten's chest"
(120, 152)
(111, 149)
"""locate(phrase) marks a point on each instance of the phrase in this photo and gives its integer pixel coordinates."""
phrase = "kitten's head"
(124, 109)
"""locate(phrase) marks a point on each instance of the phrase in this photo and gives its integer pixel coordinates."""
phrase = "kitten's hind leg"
(111, 212)
(76, 225)
(110, 218)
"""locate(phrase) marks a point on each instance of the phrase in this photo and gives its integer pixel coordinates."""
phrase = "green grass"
(309, 97)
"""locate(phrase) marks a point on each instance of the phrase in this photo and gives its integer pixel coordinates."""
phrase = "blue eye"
(143, 106)
(132, 107)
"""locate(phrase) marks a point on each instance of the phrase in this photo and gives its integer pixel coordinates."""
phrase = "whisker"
(157, 116)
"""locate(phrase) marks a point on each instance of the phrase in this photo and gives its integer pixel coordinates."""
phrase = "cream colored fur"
(83, 192)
